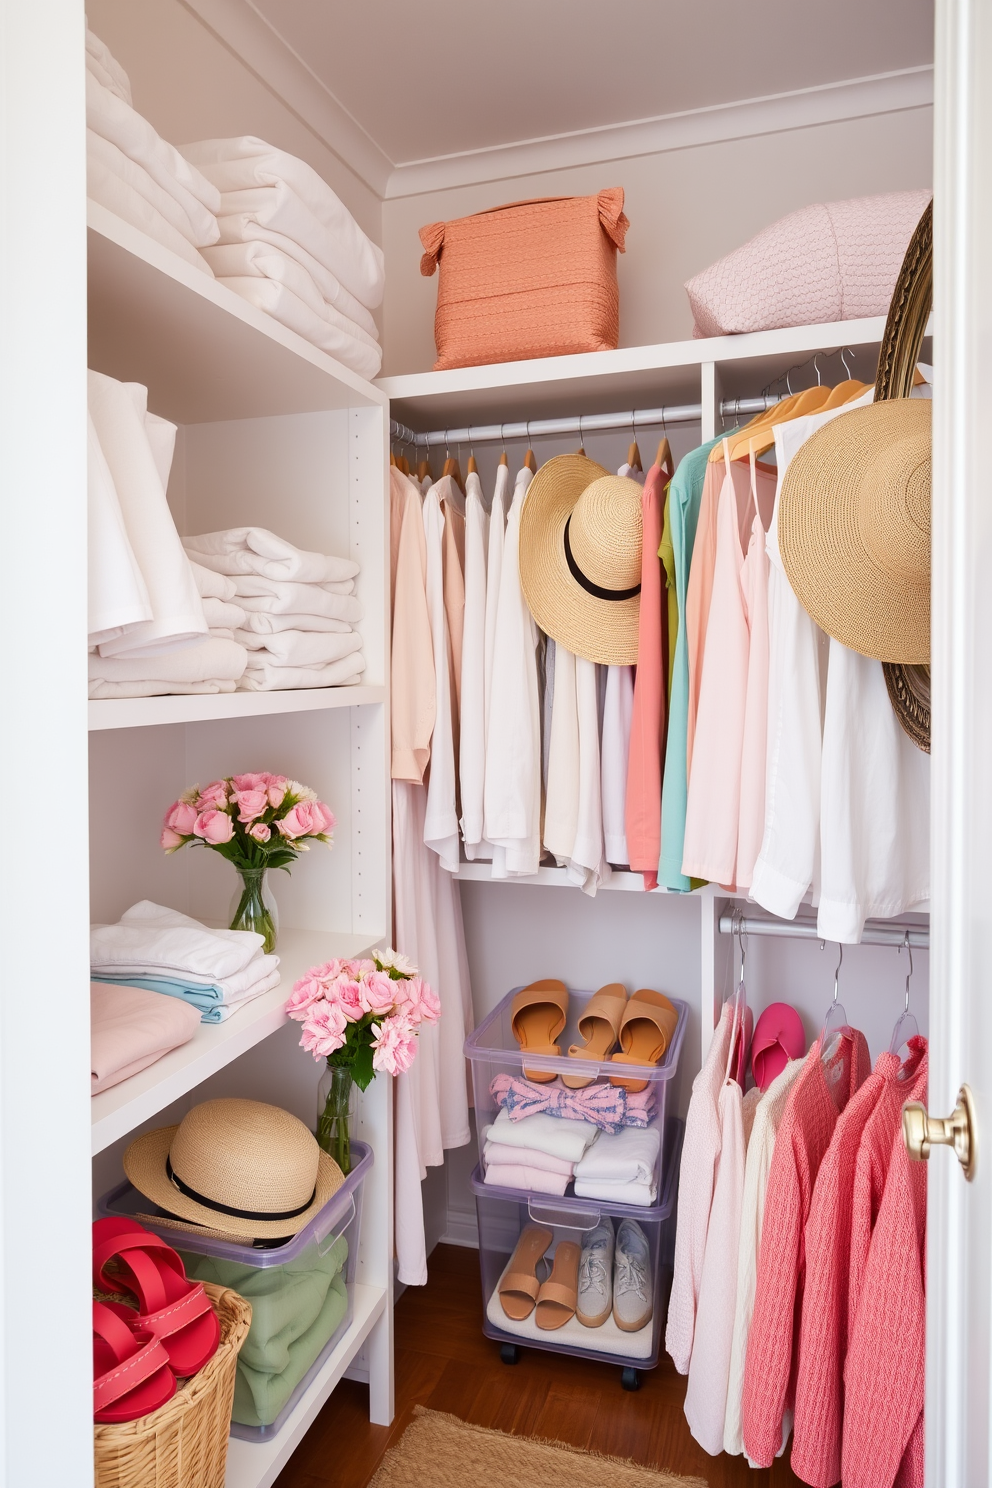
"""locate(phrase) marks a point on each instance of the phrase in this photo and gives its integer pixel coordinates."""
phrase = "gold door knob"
(921, 1131)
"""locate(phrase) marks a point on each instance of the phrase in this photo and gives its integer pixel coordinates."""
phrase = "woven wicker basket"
(531, 279)
(183, 1445)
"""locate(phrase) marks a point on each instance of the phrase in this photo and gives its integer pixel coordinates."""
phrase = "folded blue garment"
(209, 999)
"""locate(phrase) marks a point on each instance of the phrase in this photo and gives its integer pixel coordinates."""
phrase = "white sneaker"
(633, 1302)
(596, 1276)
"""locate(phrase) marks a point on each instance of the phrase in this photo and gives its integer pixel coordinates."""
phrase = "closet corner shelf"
(258, 1464)
(203, 351)
(621, 879)
(607, 381)
(119, 713)
(117, 1111)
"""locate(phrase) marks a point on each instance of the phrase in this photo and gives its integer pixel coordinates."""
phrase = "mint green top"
(685, 495)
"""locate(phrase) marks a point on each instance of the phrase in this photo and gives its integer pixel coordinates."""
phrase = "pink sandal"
(175, 1311)
(131, 1374)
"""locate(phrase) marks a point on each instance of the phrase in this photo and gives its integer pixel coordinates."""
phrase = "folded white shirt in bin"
(626, 1156)
(555, 1135)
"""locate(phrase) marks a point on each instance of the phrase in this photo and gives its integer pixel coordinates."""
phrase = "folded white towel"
(120, 197)
(329, 285)
(261, 624)
(220, 613)
(267, 261)
(203, 661)
(626, 1156)
(282, 597)
(550, 1134)
(304, 648)
(152, 688)
(644, 1194)
(326, 329)
(189, 217)
(255, 550)
(271, 678)
(247, 164)
(108, 115)
(250, 585)
(213, 585)
(152, 935)
(118, 411)
(106, 68)
(118, 595)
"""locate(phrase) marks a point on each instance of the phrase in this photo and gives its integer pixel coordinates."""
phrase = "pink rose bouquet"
(361, 1017)
(256, 821)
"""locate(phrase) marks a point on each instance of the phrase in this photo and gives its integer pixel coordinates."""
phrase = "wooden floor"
(443, 1361)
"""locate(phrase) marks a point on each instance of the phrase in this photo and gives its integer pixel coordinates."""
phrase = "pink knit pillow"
(832, 261)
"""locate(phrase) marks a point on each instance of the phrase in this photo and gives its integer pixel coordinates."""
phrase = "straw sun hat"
(854, 529)
(239, 1166)
(580, 558)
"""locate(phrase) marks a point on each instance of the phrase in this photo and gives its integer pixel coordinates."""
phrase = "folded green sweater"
(296, 1308)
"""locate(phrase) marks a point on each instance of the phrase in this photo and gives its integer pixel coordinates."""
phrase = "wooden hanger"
(392, 458)
(502, 459)
(424, 470)
(634, 457)
(473, 469)
(452, 468)
(404, 464)
(663, 459)
(843, 393)
(530, 460)
(757, 426)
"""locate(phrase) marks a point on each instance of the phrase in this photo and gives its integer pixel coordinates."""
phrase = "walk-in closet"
(498, 532)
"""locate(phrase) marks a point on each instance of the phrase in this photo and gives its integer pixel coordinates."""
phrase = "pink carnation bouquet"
(361, 1017)
(257, 822)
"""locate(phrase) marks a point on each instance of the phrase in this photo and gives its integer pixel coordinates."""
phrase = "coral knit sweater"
(823, 1335)
(883, 1377)
(817, 1098)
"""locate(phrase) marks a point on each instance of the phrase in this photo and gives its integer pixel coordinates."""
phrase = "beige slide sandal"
(519, 1289)
(646, 1030)
(599, 1025)
(537, 1017)
(559, 1295)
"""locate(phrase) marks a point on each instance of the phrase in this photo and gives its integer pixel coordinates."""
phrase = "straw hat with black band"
(854, 514)
(236, 1166)
(580, 558)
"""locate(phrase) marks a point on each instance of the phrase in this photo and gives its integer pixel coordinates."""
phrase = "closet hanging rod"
(885, 935)
(637, 418)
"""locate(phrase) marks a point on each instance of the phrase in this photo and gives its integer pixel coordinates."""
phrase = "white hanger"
(906, 1025)
(835, 1023)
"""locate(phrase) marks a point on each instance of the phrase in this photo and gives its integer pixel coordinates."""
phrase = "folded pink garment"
(521, 1175)
(502, 1152)
(131, 1028)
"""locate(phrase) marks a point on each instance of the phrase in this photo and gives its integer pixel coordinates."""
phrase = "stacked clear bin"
(302, 1294)
(504, 1212)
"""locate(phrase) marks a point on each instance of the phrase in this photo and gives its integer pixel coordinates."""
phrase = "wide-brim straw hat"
(854, 529)
(241, 1167)
(580, 558)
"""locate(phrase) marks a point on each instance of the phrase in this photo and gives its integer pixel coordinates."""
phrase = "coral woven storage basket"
(183, 1445)
(530, 279)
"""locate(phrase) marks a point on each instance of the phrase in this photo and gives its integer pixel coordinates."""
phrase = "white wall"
(686, 209)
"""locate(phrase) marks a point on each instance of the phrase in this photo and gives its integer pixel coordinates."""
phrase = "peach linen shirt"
(411, 677)
(647, 731)
(699, 592)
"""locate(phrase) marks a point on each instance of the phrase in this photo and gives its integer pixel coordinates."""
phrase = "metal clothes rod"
(637, 418)
(886, 935)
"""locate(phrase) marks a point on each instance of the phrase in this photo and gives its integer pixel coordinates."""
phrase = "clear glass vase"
(253, 906)
(335, 1109)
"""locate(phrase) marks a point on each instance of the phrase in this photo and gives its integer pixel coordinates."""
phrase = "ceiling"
(447, 77)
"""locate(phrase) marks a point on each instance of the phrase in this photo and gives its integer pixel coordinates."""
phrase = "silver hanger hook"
(840, 963)
(909, 973)
(741, 941)
(843, 362)
(447, 452)
(816, 368)
(528, 433)
(788, 381)
(580, 432)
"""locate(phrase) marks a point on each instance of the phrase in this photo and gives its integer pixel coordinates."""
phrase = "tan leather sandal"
(559, 1295)
(646, 1030)
(519, 1289)
(537, 1017)
(599, 1025)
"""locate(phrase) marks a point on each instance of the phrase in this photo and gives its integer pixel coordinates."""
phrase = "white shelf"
(117, 1111)
(258, 1464)
(620, 878)
(605, 381)
(204, 353)
(119, 713)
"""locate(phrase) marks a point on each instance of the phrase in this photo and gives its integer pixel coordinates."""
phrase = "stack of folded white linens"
(134, 173)
(289, 245)
(158, 949)
(622, 1168)
(148, 632)
(537, 1152)
(300, 608)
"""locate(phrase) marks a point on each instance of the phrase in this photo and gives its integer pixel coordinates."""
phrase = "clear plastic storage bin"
(302, 1294)
(503, 1213)
(492, 1050)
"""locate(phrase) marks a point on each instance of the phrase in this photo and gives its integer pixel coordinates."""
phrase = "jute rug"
(440, 1451)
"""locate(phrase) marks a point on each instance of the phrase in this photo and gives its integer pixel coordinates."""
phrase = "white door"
(959, 1230)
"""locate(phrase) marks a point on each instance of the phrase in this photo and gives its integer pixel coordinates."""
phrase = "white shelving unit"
(271, 432)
